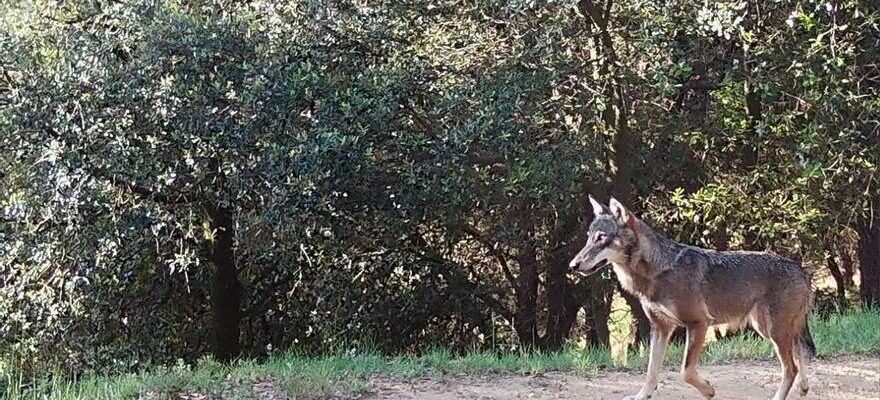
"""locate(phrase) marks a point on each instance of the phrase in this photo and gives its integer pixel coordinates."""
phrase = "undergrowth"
(347, 372)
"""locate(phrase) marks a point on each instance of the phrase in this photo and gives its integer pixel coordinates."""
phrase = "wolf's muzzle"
(579, 266)
(574, 265)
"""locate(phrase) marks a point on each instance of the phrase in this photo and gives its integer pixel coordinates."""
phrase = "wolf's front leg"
(660, 333)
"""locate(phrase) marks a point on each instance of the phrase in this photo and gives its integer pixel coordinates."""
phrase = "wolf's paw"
(804, 390)
(802, 385)
(709, 391)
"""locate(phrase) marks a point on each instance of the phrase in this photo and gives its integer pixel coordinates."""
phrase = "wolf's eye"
(600, 236)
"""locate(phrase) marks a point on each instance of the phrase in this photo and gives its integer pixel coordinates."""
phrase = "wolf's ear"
(598, 208)
(624, 217)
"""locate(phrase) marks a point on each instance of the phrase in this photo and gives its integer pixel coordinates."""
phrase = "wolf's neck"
(656, 250)
(655, 253)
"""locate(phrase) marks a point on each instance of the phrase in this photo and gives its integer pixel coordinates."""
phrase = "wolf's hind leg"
(696, 337)
(800, 360)
(783, 343)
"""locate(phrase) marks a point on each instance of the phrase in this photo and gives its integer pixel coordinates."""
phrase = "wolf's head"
(612, 238)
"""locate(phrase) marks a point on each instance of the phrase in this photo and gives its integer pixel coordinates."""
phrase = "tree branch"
(493, 250)
(130, 184)
(149, 193)
(473, 287)
(75, 20)
(601, 23)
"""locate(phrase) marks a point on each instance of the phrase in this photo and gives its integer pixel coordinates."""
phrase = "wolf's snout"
(573, 265)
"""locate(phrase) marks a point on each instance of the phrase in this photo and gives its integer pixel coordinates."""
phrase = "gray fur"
(693, 287)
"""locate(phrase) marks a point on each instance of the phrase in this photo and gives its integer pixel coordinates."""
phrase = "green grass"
(309, 377)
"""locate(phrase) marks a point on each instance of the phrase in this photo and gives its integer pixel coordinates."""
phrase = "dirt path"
(839, 379)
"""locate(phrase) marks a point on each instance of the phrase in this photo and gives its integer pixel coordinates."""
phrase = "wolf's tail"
(806, 341)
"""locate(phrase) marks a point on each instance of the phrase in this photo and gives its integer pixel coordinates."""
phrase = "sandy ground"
(850, 378)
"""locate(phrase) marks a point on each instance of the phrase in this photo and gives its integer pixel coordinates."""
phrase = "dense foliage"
(190, 177)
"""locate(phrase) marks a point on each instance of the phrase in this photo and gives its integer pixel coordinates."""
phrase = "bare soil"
(848, 378)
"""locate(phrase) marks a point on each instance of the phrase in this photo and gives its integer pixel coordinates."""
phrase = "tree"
(233, 178)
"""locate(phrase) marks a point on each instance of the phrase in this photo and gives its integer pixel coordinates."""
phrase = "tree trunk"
(846, 262)
(225, 287)
(562, 306)
(869, 264)
(557, 289)
(834, 269)
(750, 153)
(599, 294)
(525, 321)
(754, 112)
(754, 106)
(616, 120)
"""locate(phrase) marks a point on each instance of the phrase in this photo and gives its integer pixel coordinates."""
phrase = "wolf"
(695, 288)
